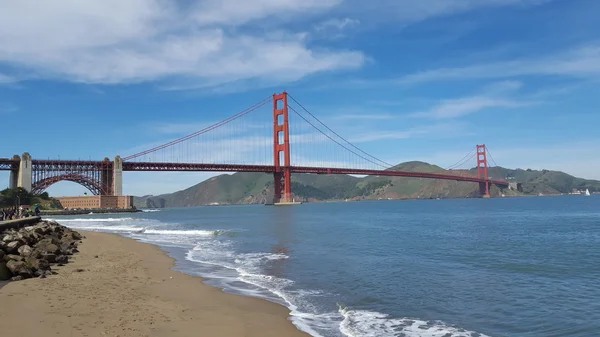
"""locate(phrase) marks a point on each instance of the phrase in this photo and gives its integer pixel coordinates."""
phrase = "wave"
(192, 232)
(248, 270)
(123, 229)
(362, 323)
(151, 210)
(92, 220)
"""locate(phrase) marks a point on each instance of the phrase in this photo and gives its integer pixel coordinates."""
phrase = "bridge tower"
(25, 172)
(281, 150)
(117, 176)
(482, 171)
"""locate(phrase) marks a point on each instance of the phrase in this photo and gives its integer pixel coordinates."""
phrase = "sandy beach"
(117, 286)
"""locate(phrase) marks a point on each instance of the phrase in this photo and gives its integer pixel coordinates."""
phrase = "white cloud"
(410, 11)
(235, 12)
(338, 24)
(111, 41)
(6, 79)
(431, 131)
(582, 63)
(458, 107)
(335, 28)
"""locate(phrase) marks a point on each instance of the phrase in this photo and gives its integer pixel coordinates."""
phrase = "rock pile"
(31, 251)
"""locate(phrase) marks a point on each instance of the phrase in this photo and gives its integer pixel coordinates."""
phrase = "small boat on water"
(587, 192)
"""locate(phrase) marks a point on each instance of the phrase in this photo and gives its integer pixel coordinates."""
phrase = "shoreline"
(89, 211)
(129, 287)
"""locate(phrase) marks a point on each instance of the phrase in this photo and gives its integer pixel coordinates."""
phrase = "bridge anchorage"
(288, 139)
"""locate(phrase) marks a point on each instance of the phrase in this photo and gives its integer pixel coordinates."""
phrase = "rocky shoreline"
(32, 250)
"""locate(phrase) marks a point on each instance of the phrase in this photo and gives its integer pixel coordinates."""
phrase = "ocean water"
(438, 268)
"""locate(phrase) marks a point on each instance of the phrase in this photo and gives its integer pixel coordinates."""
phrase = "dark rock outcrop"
(32, 251)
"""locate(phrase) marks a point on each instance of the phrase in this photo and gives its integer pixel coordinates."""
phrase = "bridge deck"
(147, 166)
(7, 164)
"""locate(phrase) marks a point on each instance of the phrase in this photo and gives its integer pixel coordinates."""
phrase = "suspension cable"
(209, 128)
(387, 165)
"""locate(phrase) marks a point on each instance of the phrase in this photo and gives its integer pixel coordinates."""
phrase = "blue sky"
(405, 80)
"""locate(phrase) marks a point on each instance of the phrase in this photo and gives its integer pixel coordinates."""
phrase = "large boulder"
(12, 257)
(38, 264)
(48, 245)
(19, 268)
(12, 247)
(25, 250)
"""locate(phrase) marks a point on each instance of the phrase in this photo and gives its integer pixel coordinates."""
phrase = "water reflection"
(282, 225)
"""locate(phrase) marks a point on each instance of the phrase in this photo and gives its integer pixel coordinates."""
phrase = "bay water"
(518, 267)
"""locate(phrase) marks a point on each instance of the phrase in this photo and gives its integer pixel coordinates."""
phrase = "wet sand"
(117, 286)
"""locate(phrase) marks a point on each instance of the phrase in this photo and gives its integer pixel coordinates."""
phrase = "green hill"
(257, 188)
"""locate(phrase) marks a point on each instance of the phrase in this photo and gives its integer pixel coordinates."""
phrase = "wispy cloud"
(338, 24)
(6, 79)
(8, 108)
(335, 28)
(364, 116)
(410, 11)
(432, 131)
(453, 108)
(178, 128)
(582, 63)
(111, 41)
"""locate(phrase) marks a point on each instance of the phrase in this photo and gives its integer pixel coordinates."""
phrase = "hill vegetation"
(20, 196)
(257, 188)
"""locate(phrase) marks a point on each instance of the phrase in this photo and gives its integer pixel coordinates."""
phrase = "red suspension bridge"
(286, 140)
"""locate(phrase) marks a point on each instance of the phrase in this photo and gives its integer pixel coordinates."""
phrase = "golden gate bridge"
(285, 140)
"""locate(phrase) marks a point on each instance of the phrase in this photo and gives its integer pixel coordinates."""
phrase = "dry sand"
(129, 289)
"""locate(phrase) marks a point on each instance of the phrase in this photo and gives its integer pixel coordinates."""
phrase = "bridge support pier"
(484, 189)
(24, 176)
(117, 176)
(106, 177)
(13, 179)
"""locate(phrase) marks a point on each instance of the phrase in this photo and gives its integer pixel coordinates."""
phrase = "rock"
(5, 273)
(39, 264)
(62, 259)
(19, 268)
(50, 257)
(13, 246)
(13, 257)
(29, 251)
(46, 246)
(8, 238)
(25, 250)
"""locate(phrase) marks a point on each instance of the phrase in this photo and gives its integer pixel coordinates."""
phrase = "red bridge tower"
(281, 150)
(482, 171)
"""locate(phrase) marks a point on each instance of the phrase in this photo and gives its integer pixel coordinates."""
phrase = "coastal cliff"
(31, 249)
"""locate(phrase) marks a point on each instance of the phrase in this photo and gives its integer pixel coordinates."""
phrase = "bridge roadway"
(59, 165)
(147, 166)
